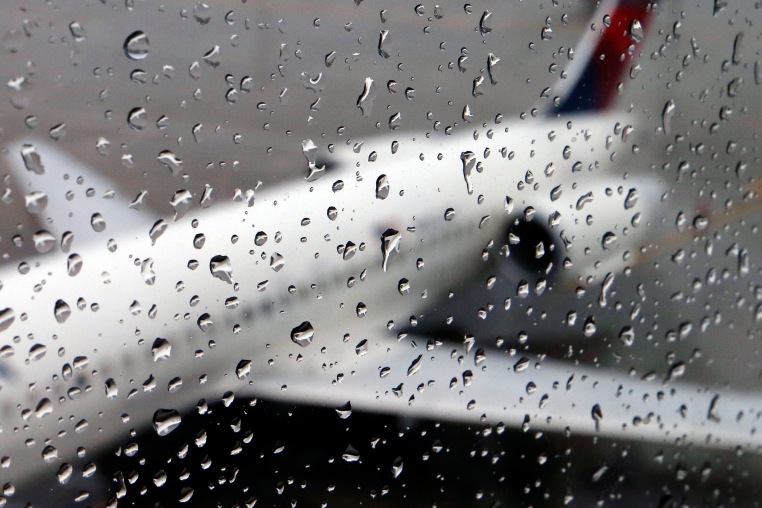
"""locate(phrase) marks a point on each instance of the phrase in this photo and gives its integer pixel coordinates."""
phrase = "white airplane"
(301, 293)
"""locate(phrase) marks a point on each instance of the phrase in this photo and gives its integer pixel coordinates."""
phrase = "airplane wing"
(451, 383)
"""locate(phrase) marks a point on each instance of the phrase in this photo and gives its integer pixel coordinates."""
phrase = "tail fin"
(603, 56)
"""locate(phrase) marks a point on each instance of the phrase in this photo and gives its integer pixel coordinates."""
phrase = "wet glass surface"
(352, 253)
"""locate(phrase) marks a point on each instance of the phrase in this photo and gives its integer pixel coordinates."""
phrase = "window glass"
(359, 253)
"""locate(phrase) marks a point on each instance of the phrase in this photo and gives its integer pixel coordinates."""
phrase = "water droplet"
(476, 87)
(260, 238)
(700, 223)
(206, 197)
(397, 467)
(608, 240)
(492, 62)
(597, 414)
(172, 161)
(181, 202)
(675, 371)
(583, 200)
(205, 322)
(415, 365)
(627, 336)
(589, 328)
(139, 76)
(243, 369)
(390, 242)
(165, 421)
(469, 163)
(103, 146)
(139, 201)
(394, 121)
(636, 30)
(366, 98)
(136, 45)
(32, 159)
(37, 352)
(737, 48)
(608, 281)
(77, 31)
(521, 365)
(631, 200)
(743, 262)
(383, 42)
(64, 473)
(344, 411)
(212, 57)
(186, 493)
(231, 96)
(62, 311)
(158, 229)
(329, 58)
(303, 334)
(277, 262)
(201, 13)
(248, 196)
(221, 268)
(146, 271)
(483, 28)
(313, 84)
(36, 202)
(350, 249)
(7, 316)
(667, 115)
(98, 223)
(44, 241)
(161, 349)
(382, 187)
(310, 153)
(733, 86)
(351, 454)
(44, 408)
(49, 454)
(137, 119)
(111, 389)
(194, 70)
(599, 473)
